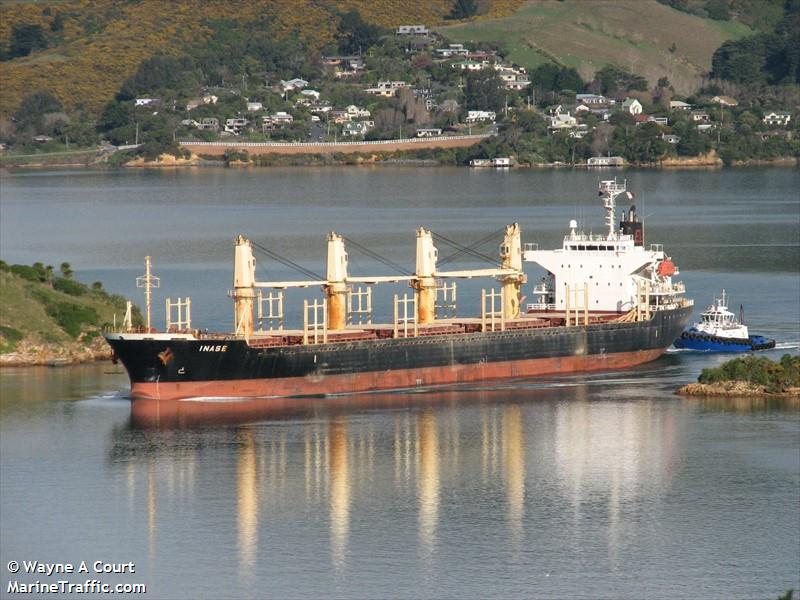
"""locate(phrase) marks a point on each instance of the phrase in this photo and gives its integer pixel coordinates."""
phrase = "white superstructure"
(718, 321)
(608, 272)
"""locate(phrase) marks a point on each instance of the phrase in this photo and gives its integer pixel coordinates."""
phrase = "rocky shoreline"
(735, 389)
(30, 354)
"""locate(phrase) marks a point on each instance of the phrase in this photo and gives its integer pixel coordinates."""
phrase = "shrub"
(71, 317)
(774, 376)
(69, 286)
(26, 272)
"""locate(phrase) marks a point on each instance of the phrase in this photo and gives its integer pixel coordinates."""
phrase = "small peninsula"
(749, 376)
(49, 318)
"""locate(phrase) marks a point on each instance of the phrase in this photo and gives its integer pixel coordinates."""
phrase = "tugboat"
(719, 331)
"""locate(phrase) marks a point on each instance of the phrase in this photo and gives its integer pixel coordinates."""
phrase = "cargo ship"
(606, 302)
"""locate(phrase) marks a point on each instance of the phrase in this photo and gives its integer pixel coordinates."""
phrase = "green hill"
(45, 317)
(83, 50)
(643, 36)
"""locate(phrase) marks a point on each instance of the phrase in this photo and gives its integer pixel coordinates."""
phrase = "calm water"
(584, 486)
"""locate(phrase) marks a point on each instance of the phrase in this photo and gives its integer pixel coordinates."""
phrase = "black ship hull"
(178, 368)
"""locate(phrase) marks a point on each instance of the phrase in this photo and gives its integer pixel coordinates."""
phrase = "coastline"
(31, 354)
(736, 389)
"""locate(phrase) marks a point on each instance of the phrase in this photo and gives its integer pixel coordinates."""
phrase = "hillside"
(95, 45)
(42, 321)
(643, 36)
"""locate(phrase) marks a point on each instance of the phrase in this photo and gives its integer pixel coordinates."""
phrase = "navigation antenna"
(148, 281)
(610, 189)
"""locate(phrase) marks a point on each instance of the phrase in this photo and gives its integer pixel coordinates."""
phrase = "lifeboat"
(666, 268)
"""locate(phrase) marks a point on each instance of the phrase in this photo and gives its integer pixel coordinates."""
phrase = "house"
(659, 120)
(358, 127)
(412, 30)
(777, 118)
(190, 123)
(254, 106)
(430, 104)
(312, 94)
(195, 102)
(42, 139)
(670, 139)
(705, 126)
(451, 50)
(582, 109)
(274, 121)
(603, 113)
(479, 116)
(236, 125)
(725, 101)
(470, 65)
(641, 118)
(632, 106)
(429, 133)
(339, 116)
(606, 161)
(293, 84)
(501, 162)
(698, 116)
(679, 105)
(553, 110)
(591, 99)
(562, 121)
(146, 102)
(356, 112)
(386, 88)
(209, 123)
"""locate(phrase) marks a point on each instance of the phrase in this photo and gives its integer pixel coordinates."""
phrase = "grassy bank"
(45, 317)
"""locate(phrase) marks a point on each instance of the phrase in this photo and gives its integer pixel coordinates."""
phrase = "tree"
(464, 9)
(66, 270)
(616, 80)
(26, 39)
(485, 91)
(355, 34)
(31, 114)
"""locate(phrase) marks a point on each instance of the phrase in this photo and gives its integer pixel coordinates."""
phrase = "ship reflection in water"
(419, 457)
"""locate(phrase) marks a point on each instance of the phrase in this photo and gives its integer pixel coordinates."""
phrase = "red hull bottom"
(386, 380)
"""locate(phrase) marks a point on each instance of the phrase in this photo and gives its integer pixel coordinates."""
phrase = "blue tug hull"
(696, 340)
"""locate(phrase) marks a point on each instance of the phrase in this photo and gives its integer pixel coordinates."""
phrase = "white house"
(254, 106)
(679, 105)
(356, 112)
(470, 65)
(293, 84)
(386, 88)
(146, 102)
(236, 125)
(358, 128)
(591, 99)
(562, 121)
(412, 30)
(428, 132)
(777, 118)
(279, 119)
(632, 106)
(313, 94)
(479, 116)
(725, 101)
(670, 139)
